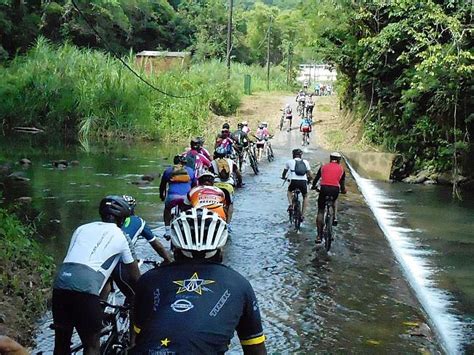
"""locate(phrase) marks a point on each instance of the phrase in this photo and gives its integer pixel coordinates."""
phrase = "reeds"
(87, 93)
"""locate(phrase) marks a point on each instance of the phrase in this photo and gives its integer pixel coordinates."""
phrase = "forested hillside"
(405, 67)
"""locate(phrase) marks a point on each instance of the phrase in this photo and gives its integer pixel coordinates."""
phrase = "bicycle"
(305, 138)
(282, 120)
(248, 154)
(300, 108)
(328, 221)
(294, 211)
(269, 151)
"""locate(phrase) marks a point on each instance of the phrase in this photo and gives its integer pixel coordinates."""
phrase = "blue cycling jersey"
(134, 226)
(178, 188)
(194, 307)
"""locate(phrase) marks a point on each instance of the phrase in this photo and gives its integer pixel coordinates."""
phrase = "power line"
(125, 63)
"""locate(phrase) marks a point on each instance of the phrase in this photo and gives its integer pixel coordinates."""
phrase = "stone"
(445, 178)
(24, 199)
(3, 318)
(24, 161)
(429, 182)
(75, 162)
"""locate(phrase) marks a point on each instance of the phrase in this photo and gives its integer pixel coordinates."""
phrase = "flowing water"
(356, 299)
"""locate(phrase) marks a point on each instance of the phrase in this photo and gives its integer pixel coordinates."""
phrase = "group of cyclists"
(192, 303)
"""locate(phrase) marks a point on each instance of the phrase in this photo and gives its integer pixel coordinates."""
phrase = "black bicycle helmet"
(179, 159)
(297, 152)
(195, 143)
(240, 125)
(225, 126)
(114, 206)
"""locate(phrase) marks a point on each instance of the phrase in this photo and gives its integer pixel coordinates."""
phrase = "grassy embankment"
(89, 94)
(25, 278)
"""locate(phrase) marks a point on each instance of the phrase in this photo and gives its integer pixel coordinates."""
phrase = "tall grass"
(88, 93)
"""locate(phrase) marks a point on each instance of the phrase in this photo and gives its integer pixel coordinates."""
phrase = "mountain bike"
(300, 108)
(305, 138)
(294, 211)
(282, 120)
(248, 155)
(269, 151)
(328, 222)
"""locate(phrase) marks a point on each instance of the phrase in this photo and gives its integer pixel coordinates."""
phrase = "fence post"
(247, 83)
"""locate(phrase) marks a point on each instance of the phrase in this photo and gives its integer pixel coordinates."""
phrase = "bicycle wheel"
(297, 215)
(282, 120)
(253, 163)
(270, 155)
(327, 231)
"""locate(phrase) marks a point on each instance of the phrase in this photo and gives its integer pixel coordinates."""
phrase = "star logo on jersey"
(165, 342)
(193, 284)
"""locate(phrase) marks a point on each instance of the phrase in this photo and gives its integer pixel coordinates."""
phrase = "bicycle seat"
(297, 191)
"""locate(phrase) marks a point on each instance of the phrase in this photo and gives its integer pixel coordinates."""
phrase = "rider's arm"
(155, 244)
(160, 249)
(316, 179)
(163, 182)
(249, 329)
(283, 174)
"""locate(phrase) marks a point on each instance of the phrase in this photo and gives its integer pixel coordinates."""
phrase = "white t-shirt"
(290, 166)
(94, 251)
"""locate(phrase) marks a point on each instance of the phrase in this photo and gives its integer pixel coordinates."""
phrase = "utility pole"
(268, 51)
(288, 64)
(229, 37)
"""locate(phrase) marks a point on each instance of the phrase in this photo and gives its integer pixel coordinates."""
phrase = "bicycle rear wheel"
(327, 231)
(297, 215)
(270, 155)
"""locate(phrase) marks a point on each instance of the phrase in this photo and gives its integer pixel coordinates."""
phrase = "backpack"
(300, 168)
(225, 145)
(179, 174)
(223, 169)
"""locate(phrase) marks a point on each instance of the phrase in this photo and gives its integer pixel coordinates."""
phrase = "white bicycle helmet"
(335, 155)
(198, 230)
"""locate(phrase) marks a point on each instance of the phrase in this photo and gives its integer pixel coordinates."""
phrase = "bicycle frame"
(328, 221)
(295, 212)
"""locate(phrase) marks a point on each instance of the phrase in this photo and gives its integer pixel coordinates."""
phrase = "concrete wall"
(372, 165)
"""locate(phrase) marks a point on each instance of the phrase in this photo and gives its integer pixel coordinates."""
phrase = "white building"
(316, 73)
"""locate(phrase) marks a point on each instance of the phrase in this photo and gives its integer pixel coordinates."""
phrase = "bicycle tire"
(253, 163)
(327, 231)
(297, 216)
(282, 120)
(270, 155)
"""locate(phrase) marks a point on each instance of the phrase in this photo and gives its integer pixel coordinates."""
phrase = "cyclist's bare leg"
(289, 194)
(320, 222)
(167, 216)
(91, 342)
(305, 204)
(230, 212)
(62, 340)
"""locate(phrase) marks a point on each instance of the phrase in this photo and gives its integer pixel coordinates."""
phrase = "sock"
(168, 230)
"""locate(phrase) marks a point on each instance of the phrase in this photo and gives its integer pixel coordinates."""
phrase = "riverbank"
(25, 279)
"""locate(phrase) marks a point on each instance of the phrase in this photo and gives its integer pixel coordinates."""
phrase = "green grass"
(87, 93)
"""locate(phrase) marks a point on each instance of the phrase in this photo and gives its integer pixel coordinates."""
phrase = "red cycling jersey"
(331, 174)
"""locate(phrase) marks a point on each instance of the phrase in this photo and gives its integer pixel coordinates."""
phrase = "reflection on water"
(355, 299)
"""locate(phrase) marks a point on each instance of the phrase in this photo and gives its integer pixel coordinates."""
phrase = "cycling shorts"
(306, 129)
(301, 185)
(260, 144)
(327, 190)
(290, 117)
(228, 190)
(174, 200)
(76, 309)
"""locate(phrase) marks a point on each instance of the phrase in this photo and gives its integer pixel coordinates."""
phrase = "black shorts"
(82, 311)
(327, 191)
(301, 185)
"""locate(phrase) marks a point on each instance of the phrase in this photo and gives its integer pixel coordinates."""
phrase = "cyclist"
(225, 140)
(305, 127)
(226, 172)
(179, 179)
(207, 195)
(245, 127)
(93, 253)
(298, 172)
(195, 159)
(135, 226)
(309, 106)
(332, 177)
(194, 305)
(288, 112)
(301, 99)
(203, 150)
(262, 135)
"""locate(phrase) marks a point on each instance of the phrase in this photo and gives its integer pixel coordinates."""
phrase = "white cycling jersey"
(290, 166)
(93, 253)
